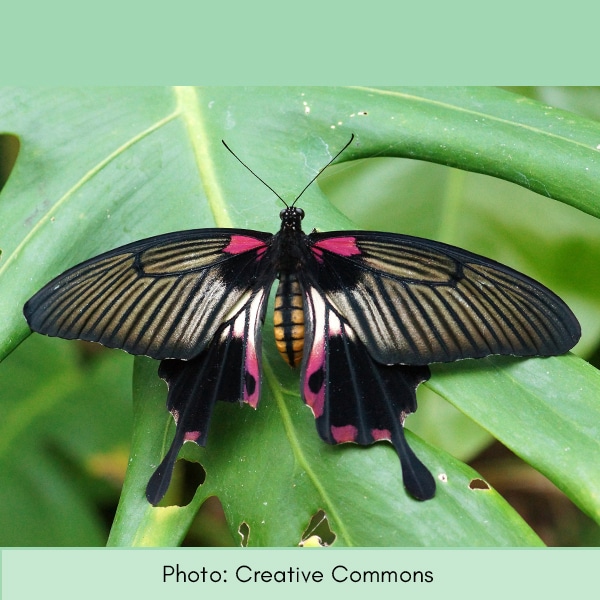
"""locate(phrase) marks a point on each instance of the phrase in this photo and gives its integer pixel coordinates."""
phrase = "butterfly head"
(291, 218)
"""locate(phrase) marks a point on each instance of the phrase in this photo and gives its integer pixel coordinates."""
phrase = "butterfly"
(362, 313)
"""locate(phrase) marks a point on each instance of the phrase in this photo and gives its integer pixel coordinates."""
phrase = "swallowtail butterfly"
(362, 313)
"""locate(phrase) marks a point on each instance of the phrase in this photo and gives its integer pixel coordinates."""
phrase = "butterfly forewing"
(415, 301)
(163, 297)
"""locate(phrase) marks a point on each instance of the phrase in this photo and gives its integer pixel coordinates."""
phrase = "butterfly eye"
(300, 213)
(282, 213)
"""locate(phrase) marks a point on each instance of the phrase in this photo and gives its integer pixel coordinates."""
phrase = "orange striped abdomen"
(288, 319)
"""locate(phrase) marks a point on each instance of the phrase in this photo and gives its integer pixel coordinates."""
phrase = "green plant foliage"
(64, 434)
(101, 167)
(274, 494)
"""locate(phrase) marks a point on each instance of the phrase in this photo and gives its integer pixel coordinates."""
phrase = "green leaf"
(102, 167)
(273, 474)
(546, 410)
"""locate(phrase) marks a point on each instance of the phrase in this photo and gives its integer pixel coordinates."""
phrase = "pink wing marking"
(243, 243)
(251, 396)
(381, 434)
(347, 433)
(315, 399)
(343, 246)
(191, 436)
(248, 330)
(316, 359)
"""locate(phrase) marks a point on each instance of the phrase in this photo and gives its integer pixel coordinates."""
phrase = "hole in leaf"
(9, 150)
(318, 532)
(187, 477)
(210, 527)
(478, 484)
(244, 531)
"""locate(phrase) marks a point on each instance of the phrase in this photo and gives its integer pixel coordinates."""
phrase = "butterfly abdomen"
(288, 319)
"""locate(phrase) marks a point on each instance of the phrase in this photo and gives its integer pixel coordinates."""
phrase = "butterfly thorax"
(290, 239)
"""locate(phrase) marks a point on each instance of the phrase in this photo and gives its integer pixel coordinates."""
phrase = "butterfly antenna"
(313, 179)
(253, 173)
(305, 187)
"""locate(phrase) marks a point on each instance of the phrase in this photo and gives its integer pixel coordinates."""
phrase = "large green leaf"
(101, 167)
(273, 474)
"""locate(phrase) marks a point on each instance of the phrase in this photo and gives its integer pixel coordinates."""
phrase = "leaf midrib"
(288, 424)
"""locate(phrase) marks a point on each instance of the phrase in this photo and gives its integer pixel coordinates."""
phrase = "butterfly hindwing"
(163, 297)
(354, 398)
(228, 370)
(416, 301)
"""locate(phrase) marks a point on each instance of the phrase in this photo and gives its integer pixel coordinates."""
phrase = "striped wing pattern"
(415, 301)
(162, 297)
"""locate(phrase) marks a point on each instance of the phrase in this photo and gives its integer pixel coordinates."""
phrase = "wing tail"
(417, 478)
